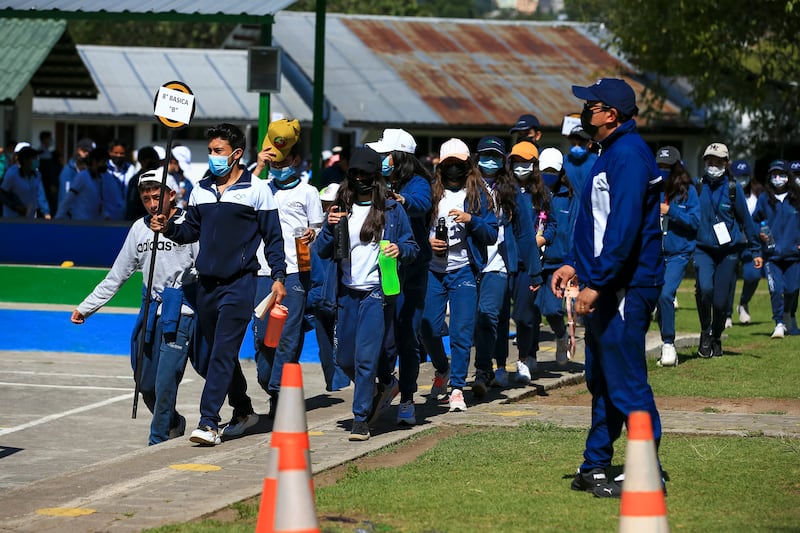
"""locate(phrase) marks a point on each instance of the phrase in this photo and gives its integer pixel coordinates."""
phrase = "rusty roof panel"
(488, 73)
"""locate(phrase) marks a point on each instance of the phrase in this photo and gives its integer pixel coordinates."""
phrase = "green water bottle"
(390, 282)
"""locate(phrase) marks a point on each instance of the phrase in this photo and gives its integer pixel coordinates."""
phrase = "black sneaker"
(704, 350)
(360, 431)
(716, 347)
(596, 482)
(481, 384)
(273, 406)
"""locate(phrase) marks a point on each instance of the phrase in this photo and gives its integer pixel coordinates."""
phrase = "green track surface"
(56, 285)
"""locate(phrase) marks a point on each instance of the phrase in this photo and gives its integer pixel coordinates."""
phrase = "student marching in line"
(778, 217)
(680, 218)
(364, 311)
(510, 254)
(524, 161)
(463, 224)
(563, 206)
(409, 184)
(171, 321)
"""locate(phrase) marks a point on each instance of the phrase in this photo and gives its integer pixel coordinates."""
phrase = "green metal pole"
(263, 98)
(319, 94)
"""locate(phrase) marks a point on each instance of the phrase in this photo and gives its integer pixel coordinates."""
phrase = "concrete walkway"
(95, 459)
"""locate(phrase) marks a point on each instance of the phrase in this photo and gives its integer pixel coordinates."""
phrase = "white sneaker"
(562, 350)
(675, 302)
(457, 402)
(728, 323)
(406, 414)
(207, 436)
(239, 426)
(523, 373)
(744, 316)
(500, 378)
(780, 331)
(669, 357)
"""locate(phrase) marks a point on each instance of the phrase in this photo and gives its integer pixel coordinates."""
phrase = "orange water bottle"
(277, 318)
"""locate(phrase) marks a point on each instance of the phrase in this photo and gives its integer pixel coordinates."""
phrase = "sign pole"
(174, 108)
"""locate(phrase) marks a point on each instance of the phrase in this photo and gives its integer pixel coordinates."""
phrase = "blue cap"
(794, 166)
(525, 123)
(492, 144)
(779, 164)
(740, 167)
(610, 91)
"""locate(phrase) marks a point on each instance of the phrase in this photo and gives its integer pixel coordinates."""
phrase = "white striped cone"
(643, 508)
(295, 511)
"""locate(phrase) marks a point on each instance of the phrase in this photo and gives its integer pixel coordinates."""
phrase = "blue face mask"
(549, 179)
(218, 164)
(282, 174)
(386, 167)
(489, 165)
(578, 151)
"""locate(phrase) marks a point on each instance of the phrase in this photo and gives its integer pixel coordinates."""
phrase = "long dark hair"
(505, 193)
(474, 186)
(540, 194)
(677, 183)
(372, 230)
(791, 188)
(406, 166)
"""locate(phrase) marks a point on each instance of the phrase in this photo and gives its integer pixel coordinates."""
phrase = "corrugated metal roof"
(448, 72)
(129, 77)
(40, 52)
(137, 8)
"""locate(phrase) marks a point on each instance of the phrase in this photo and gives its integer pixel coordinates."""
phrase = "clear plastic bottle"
(768, 232)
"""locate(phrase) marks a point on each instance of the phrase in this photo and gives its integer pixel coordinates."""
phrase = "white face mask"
(522, 170)
(715, 172)
(779, 181)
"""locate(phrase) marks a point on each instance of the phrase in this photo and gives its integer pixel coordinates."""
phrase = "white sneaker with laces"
(457, 402)
(406, 414)
(744, 316)
(562, 350)
(728, 323)
(780, 331)
(500, 378)
(238, 427)
(669, 357)
(207, 436)
(523, 373)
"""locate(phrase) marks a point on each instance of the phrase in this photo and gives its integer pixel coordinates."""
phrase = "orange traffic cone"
(643, 508)
(295, 511)
(288, 431)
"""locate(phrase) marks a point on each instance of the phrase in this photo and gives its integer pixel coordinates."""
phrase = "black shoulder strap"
(732, 197)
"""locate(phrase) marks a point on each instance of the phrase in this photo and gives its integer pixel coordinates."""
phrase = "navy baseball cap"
(740, 167)
(778, 164)
(492, 144)
(610, 91)
(365, 159)
(525, 123)
(794, 167)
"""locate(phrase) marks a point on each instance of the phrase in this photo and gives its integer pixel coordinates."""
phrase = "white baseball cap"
(154, 177)
(161, 152)
(551, 158)
(21, 145)
(394, 140)
(328, 194)
(183, 156)
(454, 148)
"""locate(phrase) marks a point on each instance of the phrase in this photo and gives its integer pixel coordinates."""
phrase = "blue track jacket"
(683, 219)
(715, 206)
(784, 222)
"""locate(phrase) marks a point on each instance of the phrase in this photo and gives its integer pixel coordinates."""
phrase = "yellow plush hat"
(282, 135)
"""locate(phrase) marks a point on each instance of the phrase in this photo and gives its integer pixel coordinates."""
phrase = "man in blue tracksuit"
(726, 228)
(616, 258)
(229, 213)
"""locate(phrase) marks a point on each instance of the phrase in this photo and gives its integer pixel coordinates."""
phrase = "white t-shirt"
(751, 200)
(495, 262)
(298, 207)
(457, 254)
(360, 271)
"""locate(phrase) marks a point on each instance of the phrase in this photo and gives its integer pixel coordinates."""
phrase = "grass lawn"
(518, 479)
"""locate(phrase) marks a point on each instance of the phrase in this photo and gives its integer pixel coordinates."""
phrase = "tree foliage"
(138, 33)
(741, 58)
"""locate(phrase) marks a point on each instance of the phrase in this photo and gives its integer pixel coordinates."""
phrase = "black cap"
(366, 160)
(578, 132)
(492, 144)
(86, 144)
(524, 123)
(668, 155)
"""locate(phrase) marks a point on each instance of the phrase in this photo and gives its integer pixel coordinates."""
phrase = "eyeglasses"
(594, 108)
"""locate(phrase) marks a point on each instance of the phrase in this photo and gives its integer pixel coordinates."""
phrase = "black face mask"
(364, 186)
(118, 161)
(454, 176)
(586, 122)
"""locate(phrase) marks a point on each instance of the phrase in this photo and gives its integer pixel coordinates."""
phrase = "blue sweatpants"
(675, 267)
(616, 369)
(783, 279)
(716, 274)
(459, 288)
(224, 308)
(492, 300)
